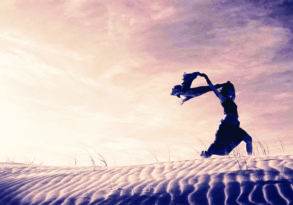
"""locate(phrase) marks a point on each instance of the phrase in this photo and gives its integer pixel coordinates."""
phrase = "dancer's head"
(176, 90)
(228, 90)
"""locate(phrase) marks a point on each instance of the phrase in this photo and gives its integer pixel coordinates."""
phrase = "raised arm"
(212, 87)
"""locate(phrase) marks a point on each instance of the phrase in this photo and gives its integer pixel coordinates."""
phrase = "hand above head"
(194, 74)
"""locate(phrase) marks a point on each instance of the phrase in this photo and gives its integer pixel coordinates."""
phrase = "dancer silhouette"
(229, 134)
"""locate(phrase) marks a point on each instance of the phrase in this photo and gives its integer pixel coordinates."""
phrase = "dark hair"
(176, 89)
(228, 88)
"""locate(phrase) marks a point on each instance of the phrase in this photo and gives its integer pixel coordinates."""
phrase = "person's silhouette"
(229, 134)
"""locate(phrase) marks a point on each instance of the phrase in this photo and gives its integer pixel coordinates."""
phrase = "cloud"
(101, 71)
(279, 14)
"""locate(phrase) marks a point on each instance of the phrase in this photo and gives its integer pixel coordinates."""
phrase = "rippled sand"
(223, 180)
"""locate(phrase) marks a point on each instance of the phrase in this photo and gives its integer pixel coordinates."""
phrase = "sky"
(81, 79)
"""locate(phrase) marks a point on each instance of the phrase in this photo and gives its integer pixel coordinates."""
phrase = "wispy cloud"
(101, 71)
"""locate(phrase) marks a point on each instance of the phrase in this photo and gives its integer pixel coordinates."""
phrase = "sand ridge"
(221, 180)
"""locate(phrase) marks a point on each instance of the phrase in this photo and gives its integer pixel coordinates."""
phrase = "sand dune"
(223, 180)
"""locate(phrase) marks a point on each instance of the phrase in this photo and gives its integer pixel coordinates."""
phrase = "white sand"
(222, 180)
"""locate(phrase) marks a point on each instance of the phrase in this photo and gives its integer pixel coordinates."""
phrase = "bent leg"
(227, 138)
(232, 145)
(247, 139)
(218, 146)
(216, 149)
(236, 136)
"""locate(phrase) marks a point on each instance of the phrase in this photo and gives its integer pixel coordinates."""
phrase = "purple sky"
(88, 76)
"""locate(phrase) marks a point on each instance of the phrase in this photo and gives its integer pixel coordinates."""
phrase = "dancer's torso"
(231, 113)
